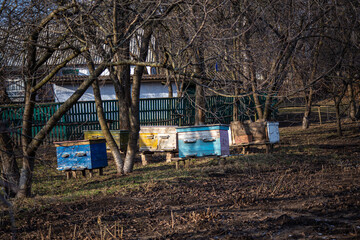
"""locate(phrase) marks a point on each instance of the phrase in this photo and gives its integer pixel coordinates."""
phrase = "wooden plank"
(68, 174)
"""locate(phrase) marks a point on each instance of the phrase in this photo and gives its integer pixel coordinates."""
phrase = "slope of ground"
(309, 188)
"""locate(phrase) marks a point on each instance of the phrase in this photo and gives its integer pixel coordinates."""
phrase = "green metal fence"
(156, 111)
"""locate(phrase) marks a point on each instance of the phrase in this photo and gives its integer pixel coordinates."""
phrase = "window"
(70, 71)
(15, 89)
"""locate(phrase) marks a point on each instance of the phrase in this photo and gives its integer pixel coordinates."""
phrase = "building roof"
(74, 79)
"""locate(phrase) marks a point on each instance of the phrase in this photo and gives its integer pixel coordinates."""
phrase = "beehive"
(254, 132)
(120, 136)
(205, 140)
(81, 155)
(157, 139)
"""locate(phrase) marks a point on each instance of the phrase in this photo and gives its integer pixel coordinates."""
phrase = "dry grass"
(310, 185)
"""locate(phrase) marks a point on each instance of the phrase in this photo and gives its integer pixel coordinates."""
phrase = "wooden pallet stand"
(269, 147)
(146, 156)
(186, 160)
(73, 173)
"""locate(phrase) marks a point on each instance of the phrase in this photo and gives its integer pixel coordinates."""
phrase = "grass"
(52, 184)
(297, 172)
(297, 146)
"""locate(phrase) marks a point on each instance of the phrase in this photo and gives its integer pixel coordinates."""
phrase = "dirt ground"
(309, 188)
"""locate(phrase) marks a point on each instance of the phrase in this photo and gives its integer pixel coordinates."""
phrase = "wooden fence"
(292, 115)
(156, 111)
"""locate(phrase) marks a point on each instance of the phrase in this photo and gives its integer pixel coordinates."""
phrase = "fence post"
(319, 111)
(327, 113)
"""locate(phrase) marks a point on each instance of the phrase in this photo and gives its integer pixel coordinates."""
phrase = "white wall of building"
(81, 71)
(156, 90)
(147, 90)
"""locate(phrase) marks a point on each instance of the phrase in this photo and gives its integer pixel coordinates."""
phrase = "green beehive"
(120, 136)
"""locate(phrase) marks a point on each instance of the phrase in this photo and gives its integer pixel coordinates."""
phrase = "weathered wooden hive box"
(205, 140)
(81, 155)
(254, 132)
(157, 139)
(120, 136)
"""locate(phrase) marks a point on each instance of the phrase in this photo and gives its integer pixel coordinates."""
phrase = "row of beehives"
(191, 141)
(206, 140)
(194, 140)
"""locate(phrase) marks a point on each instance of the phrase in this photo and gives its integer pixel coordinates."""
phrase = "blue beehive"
(81, 155)
(205, 140)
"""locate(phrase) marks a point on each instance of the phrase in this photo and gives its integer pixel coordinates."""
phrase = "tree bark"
(236, 106)
(34, 60)
(308, 97)
(105, 130)
(103, 123)
(357, 116)
(29, 152)
(199, 105)
(135, 97)
(307, 112)
(352, 110)
(337, 98)
(338, 118)
(120, 76)
(199, 69)
(4, 97)
(28, 161)
(9, 168)
(124, 100)
(168, 84)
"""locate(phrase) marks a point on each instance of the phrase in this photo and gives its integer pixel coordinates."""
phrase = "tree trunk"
(9, 168)
(199, 105)
(120, 76)
(307, 112)
(267, 108)
(199, 69)
(253, 83)
(124, 100)
(26, 175)
(338, 118)
(4, 97)
(26, 138)
(134, 122)
(236, 104)
(308, 97)
(168, 84)
(305, 120)
(29, 152)
(248, 69)
(105, 129)
(102, 120)
(352, 113)
(338, 94)
(179, 85)
(357, 116)
(135, 97)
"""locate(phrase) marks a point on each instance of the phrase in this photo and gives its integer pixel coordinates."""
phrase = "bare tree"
(43, 34)
(120, 36)
(305, 71)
